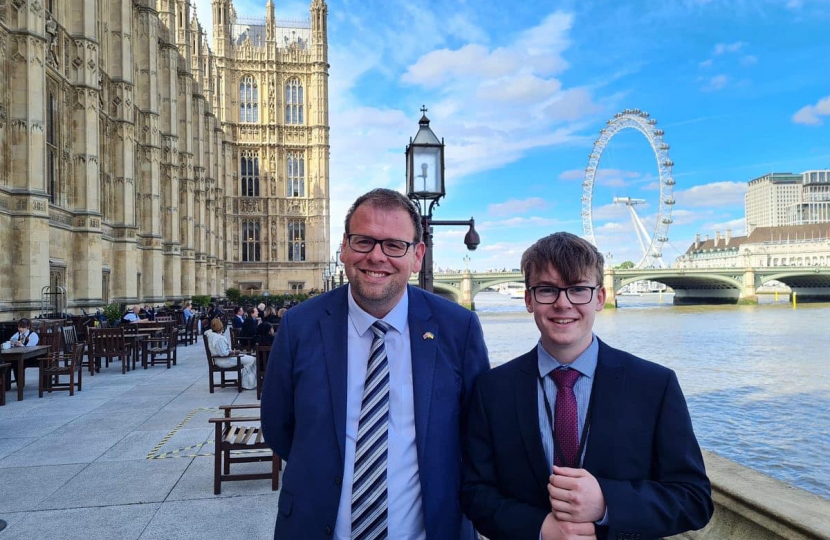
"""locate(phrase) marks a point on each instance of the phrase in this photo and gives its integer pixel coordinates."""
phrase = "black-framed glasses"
(577, 294)
(390, 246)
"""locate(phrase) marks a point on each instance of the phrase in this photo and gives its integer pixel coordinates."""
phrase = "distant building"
(778, 199)
(769, 197)
(791, 245)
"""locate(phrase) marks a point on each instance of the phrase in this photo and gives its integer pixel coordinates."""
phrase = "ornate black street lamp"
(425, 186)
(326, 279)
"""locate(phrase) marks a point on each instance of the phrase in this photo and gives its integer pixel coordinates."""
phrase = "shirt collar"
(362, 321)
(585, 363)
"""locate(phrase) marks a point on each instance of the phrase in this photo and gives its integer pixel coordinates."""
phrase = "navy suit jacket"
(304, 409)
(641, 448)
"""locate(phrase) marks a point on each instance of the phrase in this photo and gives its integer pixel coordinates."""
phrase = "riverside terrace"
(130, 458)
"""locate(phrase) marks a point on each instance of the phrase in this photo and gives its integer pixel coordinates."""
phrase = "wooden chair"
(163, 347)
(107, 343)
(213, 368)
(247, 344)
(55, 364)
(262, 354)
(164, 319)
(231, 438)
(51, 334)
(4, 370)
(187, 333)
(130, 329)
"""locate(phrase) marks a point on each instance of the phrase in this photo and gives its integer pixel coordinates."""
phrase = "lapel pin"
(429, 335)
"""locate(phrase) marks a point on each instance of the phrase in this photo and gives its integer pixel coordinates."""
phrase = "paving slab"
(118, 482)
(122, 522)
(75, 446)
(8, 446)
(140, 444)
(24, 488)
(249, 518)
(197, 481)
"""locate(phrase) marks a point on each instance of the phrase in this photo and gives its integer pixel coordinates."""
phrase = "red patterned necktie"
(566, 430)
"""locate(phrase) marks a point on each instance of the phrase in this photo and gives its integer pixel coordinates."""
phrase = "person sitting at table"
(187, 312)
(24, 337)
(220, 346)
(132, 316)
(265, 334)
(251, 322)
(238, 318)
(150, 313)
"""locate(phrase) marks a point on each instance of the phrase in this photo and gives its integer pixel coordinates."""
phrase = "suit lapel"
(607, 394)
(527, 417)
(423, 351)
(334, 335)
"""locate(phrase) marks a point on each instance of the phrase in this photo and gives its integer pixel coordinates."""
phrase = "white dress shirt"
(405, 515)
(21, 336)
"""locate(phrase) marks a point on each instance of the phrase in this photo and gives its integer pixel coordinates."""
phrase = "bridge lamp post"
(425, 186)
(326, 279)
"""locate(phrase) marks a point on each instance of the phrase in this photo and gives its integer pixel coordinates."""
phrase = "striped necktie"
(369, 498)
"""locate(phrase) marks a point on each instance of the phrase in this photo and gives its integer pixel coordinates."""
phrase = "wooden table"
(20, 355)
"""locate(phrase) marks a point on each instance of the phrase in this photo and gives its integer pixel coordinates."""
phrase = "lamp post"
(332, 271)
(425, 186)
(326, 279)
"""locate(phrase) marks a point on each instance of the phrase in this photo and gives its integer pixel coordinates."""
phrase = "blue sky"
(520, 90)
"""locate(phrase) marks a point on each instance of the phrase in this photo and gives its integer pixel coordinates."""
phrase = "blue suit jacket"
(304, 409)
(641, 448)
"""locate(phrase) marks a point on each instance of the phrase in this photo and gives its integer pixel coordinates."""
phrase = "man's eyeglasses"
(577, 295)
(389, 246)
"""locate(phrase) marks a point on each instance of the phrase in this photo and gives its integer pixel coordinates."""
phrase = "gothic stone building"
(139, 165)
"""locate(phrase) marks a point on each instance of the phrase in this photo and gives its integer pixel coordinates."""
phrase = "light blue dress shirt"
(405, 512)
(586, 364)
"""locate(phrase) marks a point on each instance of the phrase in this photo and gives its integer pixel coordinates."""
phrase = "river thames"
(757, 378)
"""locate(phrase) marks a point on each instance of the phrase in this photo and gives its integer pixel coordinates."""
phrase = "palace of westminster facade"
(139, 165)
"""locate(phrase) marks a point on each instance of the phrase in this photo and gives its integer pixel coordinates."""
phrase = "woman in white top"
(220, 346)
(24, 336)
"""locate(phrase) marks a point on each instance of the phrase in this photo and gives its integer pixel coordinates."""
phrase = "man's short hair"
(24, 323)
(387, 199)
(572, 257)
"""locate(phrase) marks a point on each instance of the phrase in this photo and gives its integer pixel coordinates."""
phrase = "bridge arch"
(685, 281)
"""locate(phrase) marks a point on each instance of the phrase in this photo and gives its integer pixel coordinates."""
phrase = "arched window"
(295, 175)
(248, 100)
(296, 240)
(53, 184)
(250, 241)
(294, 102)
(249, 173)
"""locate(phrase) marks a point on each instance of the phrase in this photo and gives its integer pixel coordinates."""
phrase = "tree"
(626, 265)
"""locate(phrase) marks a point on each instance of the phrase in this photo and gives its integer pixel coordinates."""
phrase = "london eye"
(651, 241)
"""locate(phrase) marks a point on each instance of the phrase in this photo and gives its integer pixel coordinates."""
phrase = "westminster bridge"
(691, 285)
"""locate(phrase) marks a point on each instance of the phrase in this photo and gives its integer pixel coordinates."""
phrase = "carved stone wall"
(119, 153)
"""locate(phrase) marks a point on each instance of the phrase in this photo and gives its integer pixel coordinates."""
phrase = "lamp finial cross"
(424, 109)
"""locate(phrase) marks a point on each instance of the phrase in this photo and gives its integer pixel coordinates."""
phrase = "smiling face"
(566, 328)
(378, 281)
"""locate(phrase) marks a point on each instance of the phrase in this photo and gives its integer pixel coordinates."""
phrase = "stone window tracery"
(296, 240)
(251, 241)
(294, 102)
(249, 164)
(295, 174)
(248, 100)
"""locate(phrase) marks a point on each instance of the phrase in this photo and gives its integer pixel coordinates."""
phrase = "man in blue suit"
(576, 439)
(365, 390)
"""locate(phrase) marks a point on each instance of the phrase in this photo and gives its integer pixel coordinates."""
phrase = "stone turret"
(319, 30)
(222, 27)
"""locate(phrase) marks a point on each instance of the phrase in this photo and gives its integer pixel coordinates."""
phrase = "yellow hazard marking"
(154, 452)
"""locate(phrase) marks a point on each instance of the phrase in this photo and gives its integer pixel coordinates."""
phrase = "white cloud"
(609, 212)
(687, 217)
(737, 226)
(722, 48)
(714, 194)
(810, 114)
(515, 206)
(705, 64)
(718, 82)
(611, 226)
(749, 60)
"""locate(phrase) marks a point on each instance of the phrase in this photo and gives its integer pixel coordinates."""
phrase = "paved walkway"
(129, 457)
